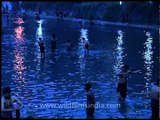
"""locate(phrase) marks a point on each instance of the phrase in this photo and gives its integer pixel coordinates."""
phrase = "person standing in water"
(42, 47)
(68, 45)
(90, 101)
(122, 81)
(24, 16)
(53, 42)
(86, 45)
(155, 101)
(37, 16)
(9, 104)
(7, 14)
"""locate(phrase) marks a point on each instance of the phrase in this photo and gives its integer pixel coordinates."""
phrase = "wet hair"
(88, 86)
(7, 90)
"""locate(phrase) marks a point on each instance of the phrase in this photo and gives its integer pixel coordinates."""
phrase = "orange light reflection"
(19, 21)
(19, 32)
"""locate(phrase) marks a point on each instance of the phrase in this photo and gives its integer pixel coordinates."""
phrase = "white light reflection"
(147, 55)
(39, 34)
(81, 49)
(19, 66)
(84, 34)
(119, 53)
(19, 75)
(120, 2)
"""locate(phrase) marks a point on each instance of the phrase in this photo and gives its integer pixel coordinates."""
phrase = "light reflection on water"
(148, 59)
(18, 52)
(19, 21)
(19, 62)
(19, 30)
(48, 90)
(83, 34)
(81, 49)
(119, 52)
(39, 34)
(19, 70)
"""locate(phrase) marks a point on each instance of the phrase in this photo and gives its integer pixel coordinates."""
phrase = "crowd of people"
(68, 45)
(11, 103)
(59, 14)
(121, 84)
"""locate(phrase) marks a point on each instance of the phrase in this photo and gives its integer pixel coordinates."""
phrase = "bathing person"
(122, 81)
(4, 10)
(53, 42)
(155, 101)
(68, 45)
(24, 16)
(9, 104)
(90, 101)
(42, 47)
(7, 17)
(40, 10)
(86, 45)
(37, 16)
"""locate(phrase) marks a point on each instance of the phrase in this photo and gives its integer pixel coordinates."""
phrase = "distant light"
(120, 2)
(150, 2)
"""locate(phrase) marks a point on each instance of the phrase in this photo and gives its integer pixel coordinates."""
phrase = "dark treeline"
(135, 12)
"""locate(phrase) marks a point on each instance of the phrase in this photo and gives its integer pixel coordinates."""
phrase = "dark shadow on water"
(123, 109)
(42, 60)
(42, 63)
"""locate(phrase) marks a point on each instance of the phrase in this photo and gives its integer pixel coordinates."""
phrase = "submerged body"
(53, 42)
(42, 47)
(122, 81)
(68, 45)
(155, 102)
(90, 101)
(10, 104)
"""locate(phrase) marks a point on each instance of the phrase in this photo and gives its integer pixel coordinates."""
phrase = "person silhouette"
(42, 47)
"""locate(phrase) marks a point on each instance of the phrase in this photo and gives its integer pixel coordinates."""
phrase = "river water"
(60, 77)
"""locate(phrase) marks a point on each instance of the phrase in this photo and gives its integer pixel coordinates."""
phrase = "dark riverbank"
(141, 13)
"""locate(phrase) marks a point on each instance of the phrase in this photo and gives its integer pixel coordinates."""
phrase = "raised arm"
(135, 71)
(17, 101)
(124, 73)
